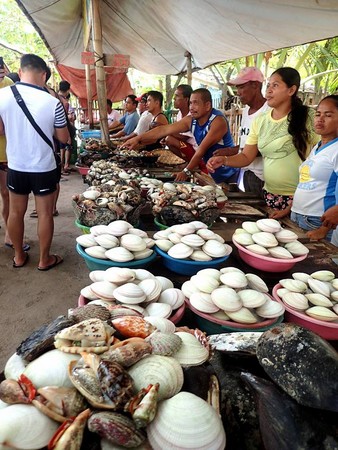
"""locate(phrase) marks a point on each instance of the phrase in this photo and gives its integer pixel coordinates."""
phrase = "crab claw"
(28, 387)
(69, 435)
(21, 391)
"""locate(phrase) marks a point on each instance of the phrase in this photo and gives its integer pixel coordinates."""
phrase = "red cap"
(142, 97)
(247, 74)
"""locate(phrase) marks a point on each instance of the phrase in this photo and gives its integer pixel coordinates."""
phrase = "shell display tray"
(175, 317)
(327, 330)
(213, 325)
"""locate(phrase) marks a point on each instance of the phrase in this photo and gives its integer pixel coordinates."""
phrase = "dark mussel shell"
(303, 364)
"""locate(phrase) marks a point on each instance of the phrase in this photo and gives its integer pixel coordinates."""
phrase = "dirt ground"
(30, 298)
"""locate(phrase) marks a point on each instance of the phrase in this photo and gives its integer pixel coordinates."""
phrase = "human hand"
(279, 214)
(214, 163)
(180, 176)
(319, 233)
(131, 144)
(330, 218)
(228, 151)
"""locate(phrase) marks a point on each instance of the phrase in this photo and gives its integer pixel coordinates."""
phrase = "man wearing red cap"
(249, 90)
(145, 118)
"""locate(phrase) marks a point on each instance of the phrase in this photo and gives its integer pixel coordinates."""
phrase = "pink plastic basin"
(327, 330)
(266, 263)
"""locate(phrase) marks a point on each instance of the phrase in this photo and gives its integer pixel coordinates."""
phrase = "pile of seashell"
(103, 171)
(316, 294)
(118, 241)
(230, 294)
(108, 202)
(135, 289)
(192, 241)
(190, 200)
(266, 237)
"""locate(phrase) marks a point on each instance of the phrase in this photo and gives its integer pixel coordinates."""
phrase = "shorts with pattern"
(277, 201)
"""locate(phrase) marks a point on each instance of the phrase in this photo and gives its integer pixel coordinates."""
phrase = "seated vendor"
(129, 119)
(154, 107)
(145, 118)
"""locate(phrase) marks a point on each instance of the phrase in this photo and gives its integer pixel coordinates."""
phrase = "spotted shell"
(165, 344)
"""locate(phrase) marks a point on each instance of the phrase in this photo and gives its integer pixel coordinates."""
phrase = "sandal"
(57, 260)
(56, 213)
(17, 266)
(33, 214)
(25, 247)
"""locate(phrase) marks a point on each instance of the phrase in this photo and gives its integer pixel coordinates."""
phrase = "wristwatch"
(187, 172)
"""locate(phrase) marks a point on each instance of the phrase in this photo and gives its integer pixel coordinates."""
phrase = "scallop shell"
(235, 280)
(269, 225)
(152, 288)
(250, 227)
(119, 254)
(251, 298)
(202, 302)
(119, 275)
(86, 240)
(296, 248)
(226, 299)
(265, 239)
(256, 282)
(119, 227)
(215, 249)
(161, 324)
(174, 428)
(258, 249)
(244, 315)
(153, 369)
(104, 290)
(285, 236)
(321, 313)
(243, 239)
(129, 293)
(107, 240)
(97, 275)
(164, 244)
(180, 251)
(270, 310)
(193, 240)
(205, 283)
(296, 300)
(158, 309)
(192, 352)
(96, 252)
(132, 242)
(165, 282)
(165, 344)
(199, 255)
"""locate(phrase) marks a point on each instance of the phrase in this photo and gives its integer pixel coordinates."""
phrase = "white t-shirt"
(144, 123)
(257, 164)
(113, 116)
(26, 150)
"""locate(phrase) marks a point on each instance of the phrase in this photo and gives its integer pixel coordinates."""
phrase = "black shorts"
(40, 183)
(58, 167)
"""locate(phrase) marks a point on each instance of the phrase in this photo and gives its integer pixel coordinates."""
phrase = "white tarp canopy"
(157, 33)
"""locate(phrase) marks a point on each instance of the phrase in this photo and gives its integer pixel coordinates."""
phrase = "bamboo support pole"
(89, 97)
(99, 69)
(189, 67)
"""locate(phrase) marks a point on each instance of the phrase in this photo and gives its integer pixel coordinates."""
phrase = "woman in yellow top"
(283, 135)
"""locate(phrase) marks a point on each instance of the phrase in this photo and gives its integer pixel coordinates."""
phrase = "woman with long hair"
(316, 191)
(283, 135)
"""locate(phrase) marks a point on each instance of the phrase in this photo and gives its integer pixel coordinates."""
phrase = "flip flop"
(25, 247)
(56, 213)
(57, 260)
(17, 266)
(33, 214)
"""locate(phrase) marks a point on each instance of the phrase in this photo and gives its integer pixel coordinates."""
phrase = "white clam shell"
(175, 238)
(119, 227)
(104, 290)
(297, 248)
(164, 244)
(210, 273)
(180, 251)
(143, 254)
(322, 313)
(296, 300)
(270, 310)
(173, 428)
(141, 233)
(251, 298)
(265, 239)
(285, 236)
(202, 302)
(99, 229)
(323, 275)
(293, 285)
(280, 252)
(231, 269)
(282, 291)
(162, 324)
(256, 282)
(91, 194)
(88, 293)
(191, 352)
(319, 287)
(86, 240)
(301, 276)
(199, 255)
(189, 288)
(152, 288)
(184, 229)
(244, 315)
(173, 297)
(205, 283)
(97, 275)
(259, 249)
(149, 242)
(226, 299)
(269, 225)
(193, 240)
(199, 225)
(235, 280)
(243, 239)
(142, 274)
(165, 282)
(319, 300)
(215, 249)
(250, 227)
(158, 310)
(96, 252)
(162, 234)
(129, 293)
(107, 240)
(132, 242)
(119, 275)
(335, 283)
(206, 234)
(119, 254)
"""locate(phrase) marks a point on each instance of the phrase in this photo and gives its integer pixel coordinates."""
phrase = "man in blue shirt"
(129, 119)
